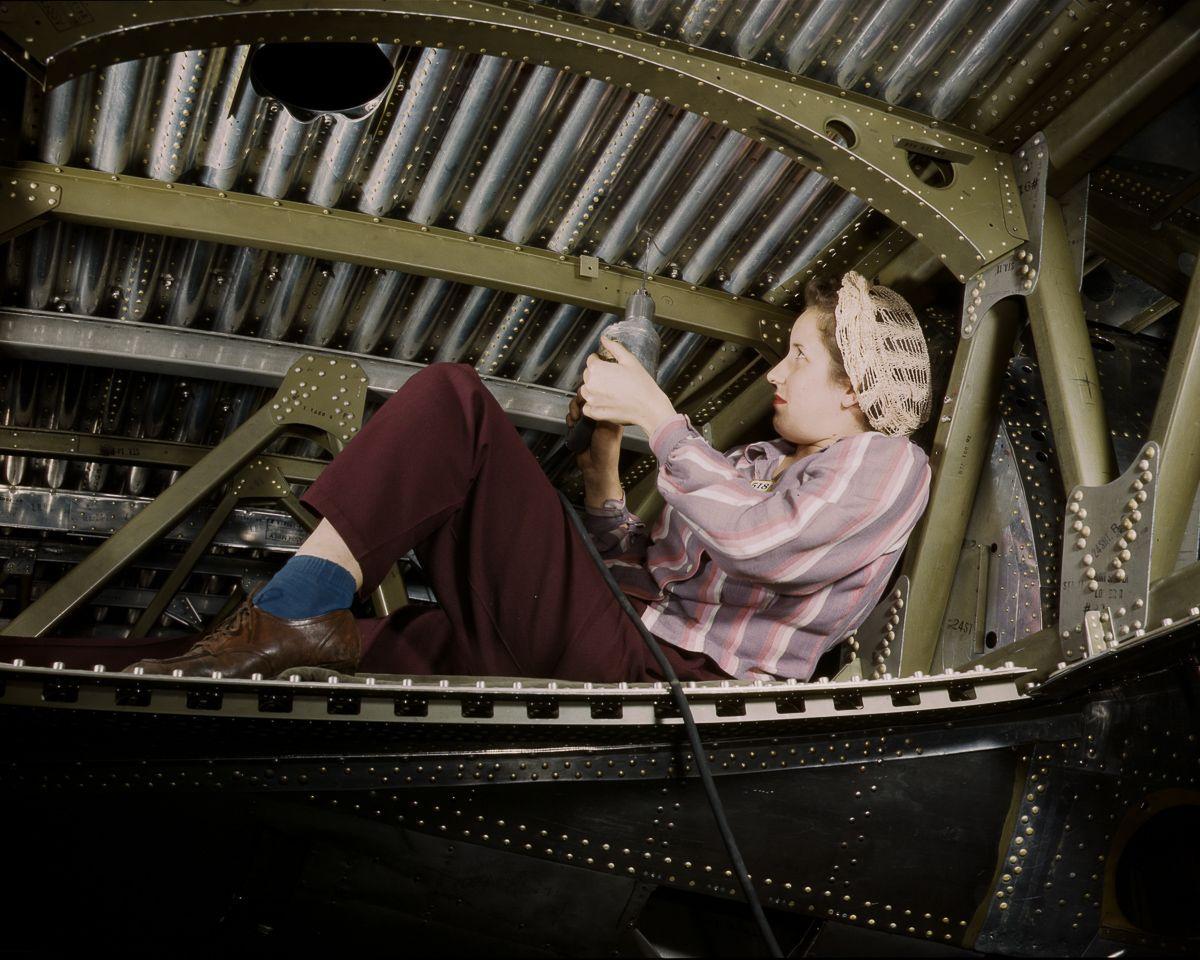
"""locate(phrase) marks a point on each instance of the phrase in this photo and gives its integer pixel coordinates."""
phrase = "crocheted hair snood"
(885, 355)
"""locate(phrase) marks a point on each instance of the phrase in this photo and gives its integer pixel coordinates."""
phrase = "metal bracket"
(24, 204)
(324, 392)
(1094, 632)
(260, 479)
(1107, 536)
(881, 637)
(1016, 272)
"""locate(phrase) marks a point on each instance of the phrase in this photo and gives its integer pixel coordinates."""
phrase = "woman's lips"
(779, 400)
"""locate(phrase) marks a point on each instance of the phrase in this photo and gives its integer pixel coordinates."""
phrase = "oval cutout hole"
(930, 170)
(840, 130)
(316, 78)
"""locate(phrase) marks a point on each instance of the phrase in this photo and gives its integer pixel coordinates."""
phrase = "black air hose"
(689, 722)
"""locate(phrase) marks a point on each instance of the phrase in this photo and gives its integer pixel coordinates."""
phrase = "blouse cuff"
(610, 508)
(668, 435)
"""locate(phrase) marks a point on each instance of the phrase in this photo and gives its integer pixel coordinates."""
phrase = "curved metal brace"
(969, 222)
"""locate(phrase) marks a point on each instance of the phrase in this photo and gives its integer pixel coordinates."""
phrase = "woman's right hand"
(600, 460)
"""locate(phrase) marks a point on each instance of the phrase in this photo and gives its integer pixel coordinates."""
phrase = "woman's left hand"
(623, 392)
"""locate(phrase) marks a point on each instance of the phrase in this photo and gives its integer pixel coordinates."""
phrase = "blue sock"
(307, 587)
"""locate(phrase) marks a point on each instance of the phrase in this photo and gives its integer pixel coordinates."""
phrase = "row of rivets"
(887, 634)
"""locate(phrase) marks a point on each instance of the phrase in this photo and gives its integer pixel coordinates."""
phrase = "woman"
(763, 558)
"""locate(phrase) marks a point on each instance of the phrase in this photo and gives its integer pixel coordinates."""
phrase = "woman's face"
(811, 408)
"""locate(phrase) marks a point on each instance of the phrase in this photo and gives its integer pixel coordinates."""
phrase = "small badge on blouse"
(766, 486)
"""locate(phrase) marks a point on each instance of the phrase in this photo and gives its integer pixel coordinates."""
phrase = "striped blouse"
(762, 577)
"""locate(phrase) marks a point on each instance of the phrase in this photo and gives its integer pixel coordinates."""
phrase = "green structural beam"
(972, 221)
(200, 213)
(966, 429)
(1068, 365)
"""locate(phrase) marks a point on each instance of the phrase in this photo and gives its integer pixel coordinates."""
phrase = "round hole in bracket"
(931, 171)
(840, 130)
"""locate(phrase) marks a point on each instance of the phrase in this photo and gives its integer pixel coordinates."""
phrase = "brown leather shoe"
(252, 641)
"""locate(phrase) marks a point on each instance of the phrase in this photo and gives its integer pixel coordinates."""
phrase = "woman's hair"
(821, 294)
(876, 347)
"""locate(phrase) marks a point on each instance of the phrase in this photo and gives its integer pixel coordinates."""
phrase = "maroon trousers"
(439, 469)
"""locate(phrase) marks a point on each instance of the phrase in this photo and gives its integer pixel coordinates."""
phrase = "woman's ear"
(849, 398)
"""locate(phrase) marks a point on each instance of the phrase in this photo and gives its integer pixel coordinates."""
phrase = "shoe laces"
(224, 631)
